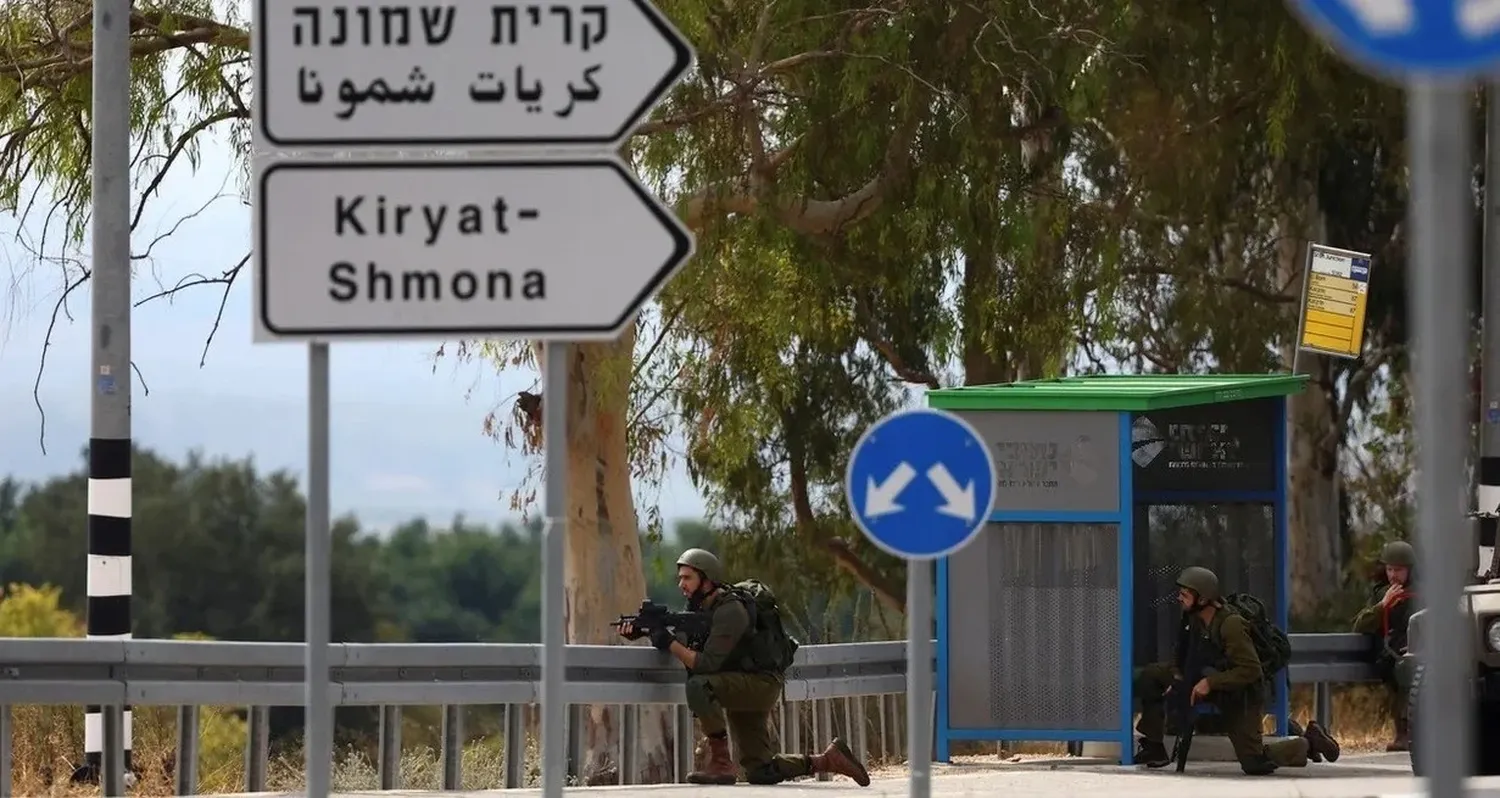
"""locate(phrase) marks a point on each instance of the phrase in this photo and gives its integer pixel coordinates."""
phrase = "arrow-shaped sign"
(958, 501)
(573, 72)
(880, 497)
(537, 249)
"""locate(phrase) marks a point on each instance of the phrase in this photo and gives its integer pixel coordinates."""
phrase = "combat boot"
(1402, 741)
(1320, 743)
(1152, 754)
(720, 768)
(838, 758)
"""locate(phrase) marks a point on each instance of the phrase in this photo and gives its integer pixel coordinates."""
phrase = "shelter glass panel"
(1235, 541)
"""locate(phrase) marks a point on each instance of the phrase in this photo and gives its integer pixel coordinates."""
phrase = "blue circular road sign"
(1438, 38)
(920, 483)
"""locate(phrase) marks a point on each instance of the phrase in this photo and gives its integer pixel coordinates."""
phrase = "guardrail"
(189, 674)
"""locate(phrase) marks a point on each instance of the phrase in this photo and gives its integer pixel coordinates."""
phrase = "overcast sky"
(406, 440)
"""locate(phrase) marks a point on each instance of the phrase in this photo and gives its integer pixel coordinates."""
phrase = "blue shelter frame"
(1187, 390)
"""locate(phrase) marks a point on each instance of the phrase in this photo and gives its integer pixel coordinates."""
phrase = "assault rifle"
(652, 616)
(1180, 703)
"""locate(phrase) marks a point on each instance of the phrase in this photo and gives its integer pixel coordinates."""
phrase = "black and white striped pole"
(107, 729)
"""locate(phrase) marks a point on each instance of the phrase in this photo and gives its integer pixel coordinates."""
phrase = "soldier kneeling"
(735, 678)
(1220, 638)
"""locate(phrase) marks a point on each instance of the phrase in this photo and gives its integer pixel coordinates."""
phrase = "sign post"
(1436, 48)
(552, 239)
(920, 485)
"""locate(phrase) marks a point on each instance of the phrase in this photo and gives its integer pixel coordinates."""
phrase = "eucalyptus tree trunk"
(1312, 440)
(603, 572)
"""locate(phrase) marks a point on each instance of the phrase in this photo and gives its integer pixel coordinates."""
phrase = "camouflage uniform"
(1387, 627)
(729, 697)
(1237, 688)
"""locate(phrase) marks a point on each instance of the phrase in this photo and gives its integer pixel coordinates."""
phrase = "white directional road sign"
(406, 74)
(550, 249)
(920, 483)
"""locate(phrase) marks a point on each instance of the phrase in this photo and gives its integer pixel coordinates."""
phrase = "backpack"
(1272, 645)
(768, 647)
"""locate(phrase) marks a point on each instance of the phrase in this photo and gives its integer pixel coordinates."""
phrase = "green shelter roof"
(1118, 392)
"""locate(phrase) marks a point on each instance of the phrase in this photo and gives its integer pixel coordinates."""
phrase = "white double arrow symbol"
(880, 497)
(1476, 18)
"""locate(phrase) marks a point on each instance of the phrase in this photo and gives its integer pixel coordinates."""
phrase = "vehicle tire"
(1486, 734)
(1487, 739)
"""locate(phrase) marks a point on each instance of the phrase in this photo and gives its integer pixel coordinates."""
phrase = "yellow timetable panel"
(1334, 296)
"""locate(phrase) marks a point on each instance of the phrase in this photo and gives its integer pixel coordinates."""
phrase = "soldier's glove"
(661, 639)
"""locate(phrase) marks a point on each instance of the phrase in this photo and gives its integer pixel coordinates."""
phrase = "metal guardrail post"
(453, 747)
(861, 729)
(114, 751)
(791, 713)
(823, 730)
(630, 747)
(186, 776)
(574, 732)
(1323, 703)
(257, 749)
(685, 742)
(515, 746)
(390, 748)
(6, 735)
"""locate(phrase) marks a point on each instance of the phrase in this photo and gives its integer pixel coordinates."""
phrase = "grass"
(48, 742)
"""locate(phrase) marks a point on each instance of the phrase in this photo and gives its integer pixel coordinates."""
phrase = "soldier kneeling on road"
(736, 673)
(1231, 638)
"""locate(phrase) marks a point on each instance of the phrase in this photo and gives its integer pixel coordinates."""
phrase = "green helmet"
(1201, 581)
(1398, 552)
(706, 563)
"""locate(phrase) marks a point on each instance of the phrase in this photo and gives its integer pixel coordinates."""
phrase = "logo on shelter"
(1146, 441)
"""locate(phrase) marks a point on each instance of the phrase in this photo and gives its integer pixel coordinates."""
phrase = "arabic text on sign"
(361, 215)
(418, 89)
(391, 26)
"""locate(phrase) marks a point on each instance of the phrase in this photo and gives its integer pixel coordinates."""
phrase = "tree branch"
(888, 592)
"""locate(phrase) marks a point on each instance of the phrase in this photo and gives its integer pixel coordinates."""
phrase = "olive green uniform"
(724, 694)
(1389, 629)
(1236, 688)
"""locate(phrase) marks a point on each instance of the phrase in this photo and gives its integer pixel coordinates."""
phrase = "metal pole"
(919, 677)
(1441, 205)
(319, 572)
(1487, 499)
(109, 505)
(555, 442)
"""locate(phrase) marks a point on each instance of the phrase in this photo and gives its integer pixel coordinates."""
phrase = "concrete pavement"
(1354, 776)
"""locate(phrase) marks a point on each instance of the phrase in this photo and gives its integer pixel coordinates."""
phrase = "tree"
(1230, 159)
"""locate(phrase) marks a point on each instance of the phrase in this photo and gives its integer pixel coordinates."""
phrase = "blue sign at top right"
(1401, 38)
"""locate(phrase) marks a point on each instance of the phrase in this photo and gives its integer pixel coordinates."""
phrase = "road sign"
(1427, 37)
(920, 483)
(567, 72)
(1335, 291)
(550, 249)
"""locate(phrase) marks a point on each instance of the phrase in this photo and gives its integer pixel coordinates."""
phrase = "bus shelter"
(1107, 487)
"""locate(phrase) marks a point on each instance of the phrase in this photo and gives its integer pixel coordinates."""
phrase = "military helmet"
(1201, 581)
(1398, 552)
(706, 563)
